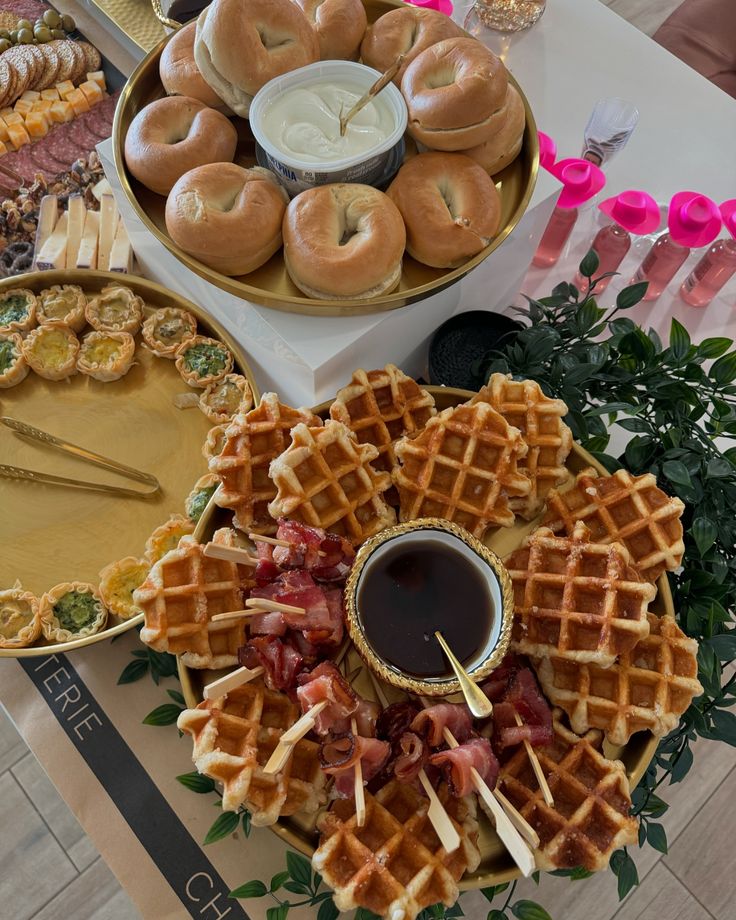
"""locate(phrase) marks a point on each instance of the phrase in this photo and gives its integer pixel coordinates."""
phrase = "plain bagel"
(450, 207)
(340, 26)
(504, 147)
(226, 216)
(179, 73)
(407, 31)
(343, 241)
(173, 135)
(456, 94)
(242, 44)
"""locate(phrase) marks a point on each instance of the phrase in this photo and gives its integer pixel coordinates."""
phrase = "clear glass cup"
(504, 15)
(609, 128)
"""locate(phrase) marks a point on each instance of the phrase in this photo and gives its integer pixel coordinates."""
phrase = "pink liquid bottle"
(632, 212)
(581, 181)
(693, 221)
(716, 267)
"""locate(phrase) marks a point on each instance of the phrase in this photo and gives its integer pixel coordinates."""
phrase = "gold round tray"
(496, 866)
(270, 285)
(50, 534)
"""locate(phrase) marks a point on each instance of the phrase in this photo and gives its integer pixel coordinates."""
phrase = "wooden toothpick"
(291, 737)
(229, 554)
(536, 766)
(232, 681)
(358, 779)
(272, 606)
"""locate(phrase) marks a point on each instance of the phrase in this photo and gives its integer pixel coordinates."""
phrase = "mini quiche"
(167, 536)
(13, 366)
(17, 310)
(196, 501)
(51, 351)
(64, 303)
(20, 618)
(71, 611)
(222, 399)
(118, 581)
(202, 361)
(166, 329)
(214, 442)
(115, 309)
(106, 356)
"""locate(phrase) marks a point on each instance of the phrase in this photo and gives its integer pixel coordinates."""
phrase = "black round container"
(458, 347)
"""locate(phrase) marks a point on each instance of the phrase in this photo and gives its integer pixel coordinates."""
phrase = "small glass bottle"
(661, 264)
(711, 273)
(611, 244)
(556, 234)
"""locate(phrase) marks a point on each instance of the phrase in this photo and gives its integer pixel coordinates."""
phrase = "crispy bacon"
(281, 662)
(327, 557)
(326, 683)
(365, 719)
(431, 722)
(322, 622)
(497, 684)
(522, 696)
(338, 756)
(414, 755)
(457, 764)
(396, 719)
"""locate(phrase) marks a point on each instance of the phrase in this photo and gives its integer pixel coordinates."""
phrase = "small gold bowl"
(499, 583)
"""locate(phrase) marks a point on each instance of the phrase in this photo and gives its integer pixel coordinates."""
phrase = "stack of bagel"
(343, 241)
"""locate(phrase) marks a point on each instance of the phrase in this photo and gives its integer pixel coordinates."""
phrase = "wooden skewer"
(536, 766)
(371, 93)
(224, 685)
(273, 606)
(291, 737)
(238, 614)
(229, 554)
(259, 538)
(359, 790)
(518, 820)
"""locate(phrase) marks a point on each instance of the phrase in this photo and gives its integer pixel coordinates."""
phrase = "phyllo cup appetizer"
(222, 399)
(165, 330)
(202, 361)
(13, 366)
(166, 537)
(17, 310)
(72, 610)
(63, 303)
(214, 442)
(115, 309)
(106, 356)
(196, 501)
(51, 351)
(20, 618)
(118, 581)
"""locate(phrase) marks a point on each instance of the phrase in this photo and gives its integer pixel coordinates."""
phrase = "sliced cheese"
(48, 214)
(37, 124)
(121, 255)
(87, 255)
(78, 101)
(64, 88)
(92, 92)
(77, 215)
(108, 228)
(18, 135)
(53, 252)
(103, 187)
(61, 111)
(98, 77)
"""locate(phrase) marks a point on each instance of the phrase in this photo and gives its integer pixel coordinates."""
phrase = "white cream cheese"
(304, 122)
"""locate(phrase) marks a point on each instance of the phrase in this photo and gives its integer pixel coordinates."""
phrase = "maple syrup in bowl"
(416, 578)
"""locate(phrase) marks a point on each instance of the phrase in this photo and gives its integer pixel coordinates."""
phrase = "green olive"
(4, 45)
(43, 34)
(14, 36)
(23, 24)
(67, 23)
(58, 33)
(5, 33)
(52, 19)
(25, 37)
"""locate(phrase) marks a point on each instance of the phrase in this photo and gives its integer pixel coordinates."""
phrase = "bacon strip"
(431, 722)
(281, 662)
(396, 719)
(457, 764)
(414, 755)
(339, 755)
(327, 557)
(322, 622)
(524, 697)
(326, 683)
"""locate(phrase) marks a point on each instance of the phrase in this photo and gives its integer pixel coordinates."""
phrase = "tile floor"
(49, 868)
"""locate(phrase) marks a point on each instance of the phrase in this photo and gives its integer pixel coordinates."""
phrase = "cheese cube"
(13, 118)
(3, 149)
(61, 111)
(64, 88)
(18, 135)
(3, 130)
(92, 92)
(44, 106)
(98, 77)
(31, 95)
(51, 94)
(37, 124)
(23, 106)
(78, 101)
(5, 111)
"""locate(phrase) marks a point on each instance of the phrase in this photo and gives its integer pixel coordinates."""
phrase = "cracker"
(68, 59)
(51, 68)
(92, 56)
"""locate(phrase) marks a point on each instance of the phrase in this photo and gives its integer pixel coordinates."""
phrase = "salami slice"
(21, 162)
(42, 156)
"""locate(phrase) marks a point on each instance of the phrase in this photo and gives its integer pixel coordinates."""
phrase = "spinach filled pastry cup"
(202, 361)
(72, 610)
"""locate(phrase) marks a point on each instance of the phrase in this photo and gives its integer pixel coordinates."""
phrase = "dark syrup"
(408, 591)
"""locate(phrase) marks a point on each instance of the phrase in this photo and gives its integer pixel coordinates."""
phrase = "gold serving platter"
(270, 285)
(496, 866)
(50, 534)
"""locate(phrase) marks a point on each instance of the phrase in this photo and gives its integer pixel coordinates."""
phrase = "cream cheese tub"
(295, 118)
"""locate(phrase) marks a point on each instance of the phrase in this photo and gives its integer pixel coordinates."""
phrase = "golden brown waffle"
(539, 419)
(575, 599)
(181, 594)
(590, 818)
(462, 467)
(253, 439)
(395, 864)
(649, 687)
(382, 406)
(325, 479)
(235, 735)
(626, 508)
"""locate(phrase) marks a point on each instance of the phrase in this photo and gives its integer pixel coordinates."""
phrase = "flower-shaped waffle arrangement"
(383, 784)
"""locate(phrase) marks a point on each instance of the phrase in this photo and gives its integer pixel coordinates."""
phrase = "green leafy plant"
(298, 878)
(147, 661)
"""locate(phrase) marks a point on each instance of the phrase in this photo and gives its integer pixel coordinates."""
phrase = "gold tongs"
(35, 434)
